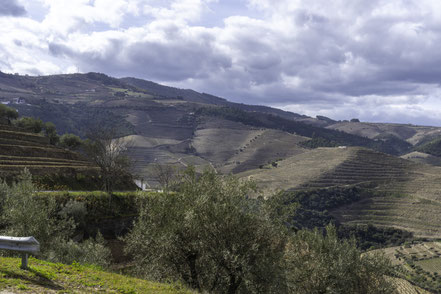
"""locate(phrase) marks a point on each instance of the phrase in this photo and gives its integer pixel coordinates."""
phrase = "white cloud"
(320, 57)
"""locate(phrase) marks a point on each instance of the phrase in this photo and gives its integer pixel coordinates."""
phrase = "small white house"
(18, 100)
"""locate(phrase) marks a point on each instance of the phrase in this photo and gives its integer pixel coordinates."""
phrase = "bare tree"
(165, 174)
(110, 155)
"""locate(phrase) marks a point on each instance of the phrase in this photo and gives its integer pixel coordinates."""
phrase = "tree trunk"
(234, 284)
(194, 280)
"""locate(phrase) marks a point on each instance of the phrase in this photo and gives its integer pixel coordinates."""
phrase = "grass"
(46, 277)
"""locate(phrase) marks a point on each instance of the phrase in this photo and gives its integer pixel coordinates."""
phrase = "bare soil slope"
(410, 133)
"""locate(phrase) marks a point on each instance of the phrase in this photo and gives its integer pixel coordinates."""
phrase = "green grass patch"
(46, 277)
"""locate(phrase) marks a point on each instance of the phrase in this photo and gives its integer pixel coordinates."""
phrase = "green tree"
(8, 113)
(318, 263)
(24, 214)
(30, 124)
(71, 141)
(209, 235)
(51, 132)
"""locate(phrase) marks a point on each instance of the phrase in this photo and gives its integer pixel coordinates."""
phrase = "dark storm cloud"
(11, 8)
(176, 59)
(174, 62)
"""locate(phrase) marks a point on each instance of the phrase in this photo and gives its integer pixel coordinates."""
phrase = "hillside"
(421, 157)
(179, 127)
(412, 134)
(420, 263)
(20, 149)
(46, 277)
(407, 197)
(167, 125)
(401, 193)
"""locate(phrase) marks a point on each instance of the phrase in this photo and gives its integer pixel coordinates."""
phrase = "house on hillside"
(18, 100)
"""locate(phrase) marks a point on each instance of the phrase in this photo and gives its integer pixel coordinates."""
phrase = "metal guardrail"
(25, 245)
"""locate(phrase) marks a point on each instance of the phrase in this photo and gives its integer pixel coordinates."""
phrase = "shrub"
(8, 113)
(30, 124)
(209, 235)
(23, 214)
(51, 132)
(71, 141)
(323, 264)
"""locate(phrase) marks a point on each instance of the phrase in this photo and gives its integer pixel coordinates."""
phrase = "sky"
(376, 60)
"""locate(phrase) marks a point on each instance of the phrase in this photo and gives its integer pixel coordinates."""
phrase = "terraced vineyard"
(404, 194)
(407, 195)
(420, 261)
(298, 170)
(367, 166)
(20, 149)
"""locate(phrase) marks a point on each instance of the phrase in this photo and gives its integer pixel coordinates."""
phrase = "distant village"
(17, 100)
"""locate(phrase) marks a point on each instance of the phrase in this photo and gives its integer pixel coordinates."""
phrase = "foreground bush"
(211, 236)
(315, 263)
(23, 214)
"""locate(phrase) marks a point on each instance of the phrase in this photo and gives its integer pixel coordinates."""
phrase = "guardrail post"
(24, 245)
(24, 261)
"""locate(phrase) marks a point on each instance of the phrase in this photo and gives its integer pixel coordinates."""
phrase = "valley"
(396, 169)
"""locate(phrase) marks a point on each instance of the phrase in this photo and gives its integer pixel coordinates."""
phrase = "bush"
(91, 251)
(209, 235)
(71, 141)
(51, 132)
(8, 113)
(30, 124)
(23, 214)
(323, 264)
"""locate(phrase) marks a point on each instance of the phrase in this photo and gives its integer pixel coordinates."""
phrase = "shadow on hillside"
(40, 279)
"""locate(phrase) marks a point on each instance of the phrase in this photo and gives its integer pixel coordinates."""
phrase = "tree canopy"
(214, 236)
(8, 113)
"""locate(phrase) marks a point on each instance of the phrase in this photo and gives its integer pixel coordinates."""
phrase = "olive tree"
(70, 141)
(8, 113)
(209, 235)
(24, 214)
(50, 132)
(30, 124)
(321, 263)
(213, 237)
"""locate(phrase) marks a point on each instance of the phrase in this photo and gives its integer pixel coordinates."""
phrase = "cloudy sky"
(377, 60)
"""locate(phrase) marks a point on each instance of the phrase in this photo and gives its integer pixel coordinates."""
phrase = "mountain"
(164, 123)
(278, 149)
(179, 126)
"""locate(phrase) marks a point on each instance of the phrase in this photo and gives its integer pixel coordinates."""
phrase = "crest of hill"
(193, 96)
(168, 123)
(412, 134)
